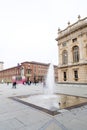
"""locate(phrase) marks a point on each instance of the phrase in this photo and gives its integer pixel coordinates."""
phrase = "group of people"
(14, 84)
(28, 82)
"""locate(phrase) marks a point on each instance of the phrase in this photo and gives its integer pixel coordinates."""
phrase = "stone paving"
(17, 116)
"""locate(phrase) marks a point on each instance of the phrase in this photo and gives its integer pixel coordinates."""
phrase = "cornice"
(72, 28)
(73, 65)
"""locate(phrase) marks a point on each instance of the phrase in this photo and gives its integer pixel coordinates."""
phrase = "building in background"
(72, 46)
(29, 71)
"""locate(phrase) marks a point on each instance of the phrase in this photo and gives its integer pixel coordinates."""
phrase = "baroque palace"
(72, 46)
(30, 70)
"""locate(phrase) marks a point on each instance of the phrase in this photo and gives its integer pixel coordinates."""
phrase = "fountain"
(50, 83)
(50, 102)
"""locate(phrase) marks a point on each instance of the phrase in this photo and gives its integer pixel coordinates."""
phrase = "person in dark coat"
(14, 85)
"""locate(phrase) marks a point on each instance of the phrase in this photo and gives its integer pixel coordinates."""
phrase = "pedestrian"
(14, 85)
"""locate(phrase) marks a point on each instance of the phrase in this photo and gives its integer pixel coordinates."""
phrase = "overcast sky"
(28, 28)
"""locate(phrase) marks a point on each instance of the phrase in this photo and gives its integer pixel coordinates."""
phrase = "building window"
(64, 57)
(64, 76)
(64, 44)
(75, 75)
(75, 54)
(74, 40)
(29, 71)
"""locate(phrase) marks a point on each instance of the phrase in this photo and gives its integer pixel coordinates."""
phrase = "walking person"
(14, 85)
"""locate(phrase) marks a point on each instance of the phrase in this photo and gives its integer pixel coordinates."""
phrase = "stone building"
(72, 46)
(30, 70)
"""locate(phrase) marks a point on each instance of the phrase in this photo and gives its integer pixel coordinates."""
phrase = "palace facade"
(31, 70)
(72, 46)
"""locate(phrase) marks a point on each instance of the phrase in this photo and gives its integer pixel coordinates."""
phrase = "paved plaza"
(17, 116)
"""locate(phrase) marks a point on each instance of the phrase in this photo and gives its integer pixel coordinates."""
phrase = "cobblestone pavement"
(17, 116)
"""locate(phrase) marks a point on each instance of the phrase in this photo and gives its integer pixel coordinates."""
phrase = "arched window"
(64, 57)
(75, 54)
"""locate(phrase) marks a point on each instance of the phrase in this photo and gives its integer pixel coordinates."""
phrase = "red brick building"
(31, 70)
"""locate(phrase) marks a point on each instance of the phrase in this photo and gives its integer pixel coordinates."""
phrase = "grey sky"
(28, 28)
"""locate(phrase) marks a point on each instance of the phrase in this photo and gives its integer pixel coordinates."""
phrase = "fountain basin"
(51, 104)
